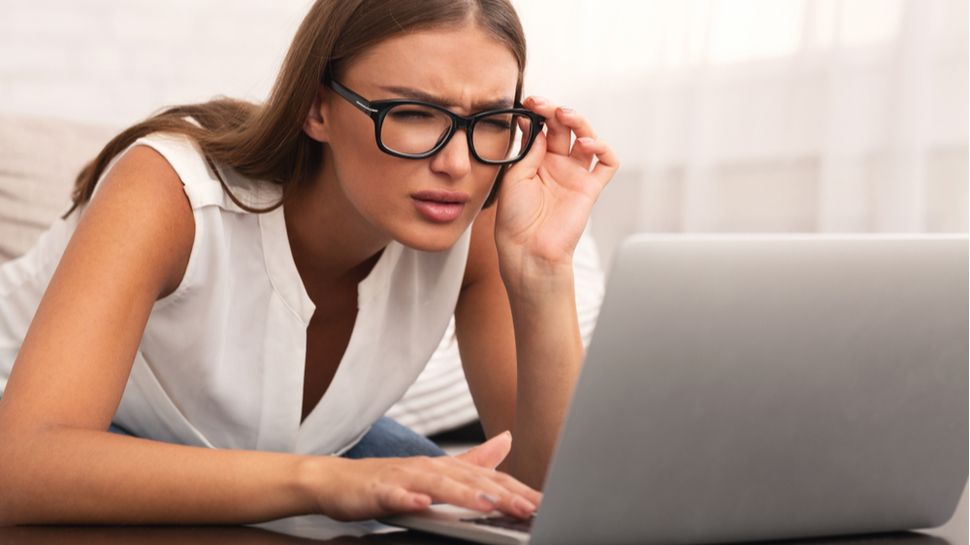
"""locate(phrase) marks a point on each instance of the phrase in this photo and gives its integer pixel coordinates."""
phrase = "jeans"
(386, 438)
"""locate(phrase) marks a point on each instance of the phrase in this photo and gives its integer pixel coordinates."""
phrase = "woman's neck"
(332, 244)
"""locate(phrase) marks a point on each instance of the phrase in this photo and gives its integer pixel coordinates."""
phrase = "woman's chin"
(436, 238)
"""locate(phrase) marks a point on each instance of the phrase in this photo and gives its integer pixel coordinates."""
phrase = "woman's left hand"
(546, 198)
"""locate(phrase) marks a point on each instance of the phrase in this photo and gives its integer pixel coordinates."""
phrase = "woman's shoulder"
(206, 182)
(141, 194)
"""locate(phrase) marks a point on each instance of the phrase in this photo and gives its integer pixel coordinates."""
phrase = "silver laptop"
(743, 388)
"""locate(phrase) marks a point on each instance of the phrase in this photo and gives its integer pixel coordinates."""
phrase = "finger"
(512, 496)
(607, 163)
(584, 134)
(557, 133)
(490, 453)
(443, 487)
(576, 122)
(509, 500)
(528, 165)
(483, 484)
(517, 486)
(503, 479)
(397, 498)
(584, 150)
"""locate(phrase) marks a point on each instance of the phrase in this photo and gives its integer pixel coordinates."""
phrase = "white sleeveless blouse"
(221, 361)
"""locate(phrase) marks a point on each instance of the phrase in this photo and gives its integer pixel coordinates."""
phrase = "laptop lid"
(758, 387)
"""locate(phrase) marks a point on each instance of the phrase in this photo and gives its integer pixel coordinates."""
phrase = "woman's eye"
(410, 114)
(497, 124)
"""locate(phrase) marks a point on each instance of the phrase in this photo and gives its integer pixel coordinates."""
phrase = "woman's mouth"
(440, 206)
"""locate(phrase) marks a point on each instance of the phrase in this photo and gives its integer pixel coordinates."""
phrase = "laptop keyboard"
(504, 521)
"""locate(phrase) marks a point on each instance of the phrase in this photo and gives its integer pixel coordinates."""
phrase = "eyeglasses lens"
(501, 136)
(414, 129)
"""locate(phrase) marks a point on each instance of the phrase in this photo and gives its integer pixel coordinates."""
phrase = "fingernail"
(508, 433)
(566, 110)
(488, 497)
(586, 140)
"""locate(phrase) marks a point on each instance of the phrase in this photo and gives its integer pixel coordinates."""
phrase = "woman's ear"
(315, 125)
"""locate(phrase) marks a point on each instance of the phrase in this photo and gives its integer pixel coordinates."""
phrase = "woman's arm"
(550, 352)
(486, 341)
(82, 476)
(60, 465)
(542, 209)
(499, 346)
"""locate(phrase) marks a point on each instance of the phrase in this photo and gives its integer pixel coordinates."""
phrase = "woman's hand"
(376, 487)
(546, 198)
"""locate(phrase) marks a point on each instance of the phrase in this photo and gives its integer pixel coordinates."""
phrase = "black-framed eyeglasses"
(414, 129)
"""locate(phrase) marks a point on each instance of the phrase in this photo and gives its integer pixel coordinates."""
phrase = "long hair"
(266, 141)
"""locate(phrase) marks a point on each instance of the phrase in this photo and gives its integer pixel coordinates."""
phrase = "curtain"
(765, 115)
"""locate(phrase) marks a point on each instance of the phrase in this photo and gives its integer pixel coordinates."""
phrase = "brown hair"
(266, 141)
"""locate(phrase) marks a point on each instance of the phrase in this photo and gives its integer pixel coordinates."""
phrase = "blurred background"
(727, 115)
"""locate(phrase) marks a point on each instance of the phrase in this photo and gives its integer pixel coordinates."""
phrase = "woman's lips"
(439, 212)
(440, 206)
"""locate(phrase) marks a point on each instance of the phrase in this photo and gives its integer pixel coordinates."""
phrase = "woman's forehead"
(463, 67)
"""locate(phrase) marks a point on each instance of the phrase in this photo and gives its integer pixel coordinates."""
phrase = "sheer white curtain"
(765, 115)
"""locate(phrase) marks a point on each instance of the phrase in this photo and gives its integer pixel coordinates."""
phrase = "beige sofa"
(39, 159)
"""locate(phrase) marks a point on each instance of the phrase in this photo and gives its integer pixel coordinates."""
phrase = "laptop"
(742, 388)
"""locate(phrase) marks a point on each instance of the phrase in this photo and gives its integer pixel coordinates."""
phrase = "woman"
(197, 326)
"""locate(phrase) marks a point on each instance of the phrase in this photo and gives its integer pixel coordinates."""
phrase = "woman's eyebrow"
(417, 94)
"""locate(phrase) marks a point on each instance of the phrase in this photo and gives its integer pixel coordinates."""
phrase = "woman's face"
(463, 67)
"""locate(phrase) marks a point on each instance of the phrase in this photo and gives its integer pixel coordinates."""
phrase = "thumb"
(528, 165)
(490, 453)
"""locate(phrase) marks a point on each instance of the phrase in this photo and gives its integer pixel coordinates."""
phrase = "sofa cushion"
(39, 160)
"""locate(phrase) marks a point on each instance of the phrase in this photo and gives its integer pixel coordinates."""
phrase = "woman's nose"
(455, 158)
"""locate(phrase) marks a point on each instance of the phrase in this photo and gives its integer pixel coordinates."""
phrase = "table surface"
(316, 529)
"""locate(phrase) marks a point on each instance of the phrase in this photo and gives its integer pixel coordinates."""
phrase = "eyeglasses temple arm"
(358, 101)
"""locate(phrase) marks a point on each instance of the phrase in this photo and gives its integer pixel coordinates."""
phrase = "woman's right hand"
(367, 488)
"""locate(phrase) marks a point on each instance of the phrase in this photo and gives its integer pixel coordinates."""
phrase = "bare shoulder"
(143, 194)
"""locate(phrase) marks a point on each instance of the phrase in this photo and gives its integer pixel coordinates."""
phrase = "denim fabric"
(119, 430)
(386, 438)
